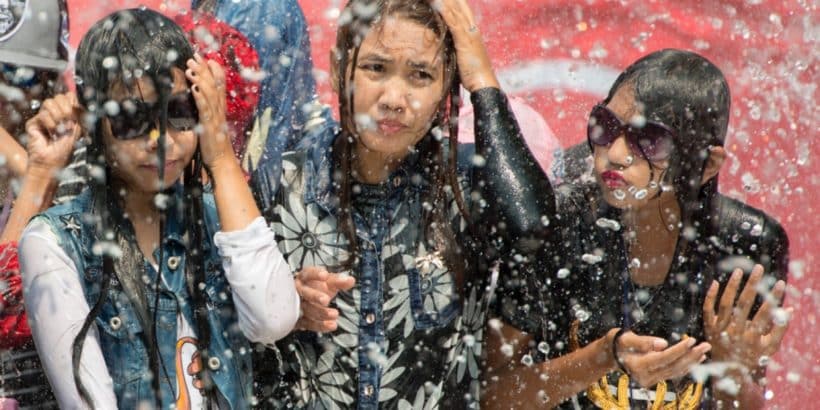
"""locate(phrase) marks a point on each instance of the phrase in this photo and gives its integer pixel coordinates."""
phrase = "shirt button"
(368, 390)
(214, 363)
(370, 318)
(173, 262)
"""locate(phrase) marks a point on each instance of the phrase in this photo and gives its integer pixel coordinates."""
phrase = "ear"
(334, 70)
(717, 155)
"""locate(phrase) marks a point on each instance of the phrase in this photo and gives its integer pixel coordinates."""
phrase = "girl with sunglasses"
(625, 305)
(147, 287)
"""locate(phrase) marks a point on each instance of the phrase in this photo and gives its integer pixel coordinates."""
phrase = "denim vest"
(119, 329)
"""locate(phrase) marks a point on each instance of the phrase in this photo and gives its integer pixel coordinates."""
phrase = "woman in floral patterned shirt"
(385, 201)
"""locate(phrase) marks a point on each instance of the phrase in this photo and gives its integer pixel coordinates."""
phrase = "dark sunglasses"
(18, 76)
(136, 118)
(653, 140)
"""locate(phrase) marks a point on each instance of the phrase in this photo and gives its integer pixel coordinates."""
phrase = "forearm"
(234, 201)
(262, 285)
(547, 384)
(16, 157)
(35, 195)
(515, 188)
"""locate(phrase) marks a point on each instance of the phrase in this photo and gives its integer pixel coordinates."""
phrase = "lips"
(153, 167)
(389, 127)
(613, 179)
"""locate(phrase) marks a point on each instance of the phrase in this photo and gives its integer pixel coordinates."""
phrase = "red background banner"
(561, 56)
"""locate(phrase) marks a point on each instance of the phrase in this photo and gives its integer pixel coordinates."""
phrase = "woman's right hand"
(649, 361)
(52, 134)
(317, 287)
(474, 65)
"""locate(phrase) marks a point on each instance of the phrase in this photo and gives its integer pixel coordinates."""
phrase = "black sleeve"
(518, 194)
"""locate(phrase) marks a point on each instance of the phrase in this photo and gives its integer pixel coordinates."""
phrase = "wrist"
(609, 349)
(222, 164)
(40, 174)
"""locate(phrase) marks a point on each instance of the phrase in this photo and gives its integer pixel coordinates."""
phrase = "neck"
(652, 238)
(372, 167)
(140, 206)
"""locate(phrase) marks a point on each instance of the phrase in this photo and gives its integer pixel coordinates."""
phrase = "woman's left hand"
(474, 65)
(733, 336)
(208, 87)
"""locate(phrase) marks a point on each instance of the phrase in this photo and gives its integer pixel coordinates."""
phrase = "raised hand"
(649, 360)
(474, 65)
(317, 287)
(52, 134)
(208, 87)
(736, 338)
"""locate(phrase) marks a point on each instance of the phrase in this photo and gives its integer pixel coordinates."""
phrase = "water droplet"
(641, 194)
(608, 224)
(544, 348)
(526, 360)
(619, 194)
(507, 349)
(590, 258)
(563, 273)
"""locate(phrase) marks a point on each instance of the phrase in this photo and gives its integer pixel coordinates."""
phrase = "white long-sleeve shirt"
(261, 282)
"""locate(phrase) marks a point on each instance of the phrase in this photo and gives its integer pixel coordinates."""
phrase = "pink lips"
(390, 127)
(613, 179)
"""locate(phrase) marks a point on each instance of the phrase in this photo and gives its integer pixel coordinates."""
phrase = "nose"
(394, 96)
(153, 138)
(619, 154)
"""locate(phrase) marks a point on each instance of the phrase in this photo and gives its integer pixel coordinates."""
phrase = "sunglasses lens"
(133, 120)
(182, 113)
(653, 140)
(603, 126)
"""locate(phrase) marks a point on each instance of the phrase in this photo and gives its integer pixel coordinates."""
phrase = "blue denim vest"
(122, 346)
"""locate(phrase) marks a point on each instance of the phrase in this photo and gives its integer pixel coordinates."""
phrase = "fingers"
(629, 342)
(747, 297)
(727, 301)
(709, 317)
(319, 313)
(311, 273)
(762, 322)
(309, 294)
(341, 282)
(305, 323)
(683, 364)
(772, 340)
(658, 360)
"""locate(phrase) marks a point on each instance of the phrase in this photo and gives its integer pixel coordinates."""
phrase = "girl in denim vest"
(146, 288)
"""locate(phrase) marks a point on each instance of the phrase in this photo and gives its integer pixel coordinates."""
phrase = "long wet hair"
(117, 51)
(358, 18)
(689, 94)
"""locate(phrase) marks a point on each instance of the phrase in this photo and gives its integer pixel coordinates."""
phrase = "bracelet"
(620, 363)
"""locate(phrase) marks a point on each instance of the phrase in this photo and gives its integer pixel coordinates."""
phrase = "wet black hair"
(358, 18)
(118, 51)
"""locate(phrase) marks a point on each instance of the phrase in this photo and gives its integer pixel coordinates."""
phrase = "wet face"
(134, 161)
(627, 180)
(398, 86)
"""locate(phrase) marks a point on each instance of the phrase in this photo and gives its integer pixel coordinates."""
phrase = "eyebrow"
(379, 58)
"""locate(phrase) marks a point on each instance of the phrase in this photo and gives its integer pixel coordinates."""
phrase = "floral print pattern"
(418, 367)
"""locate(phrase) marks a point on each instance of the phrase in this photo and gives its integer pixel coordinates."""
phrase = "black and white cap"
(34, 33)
